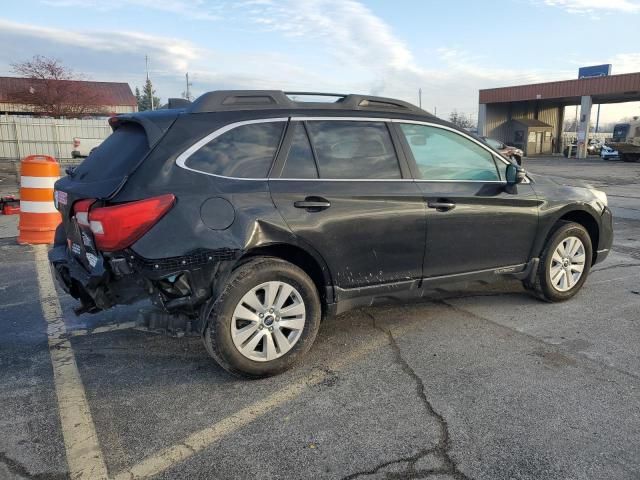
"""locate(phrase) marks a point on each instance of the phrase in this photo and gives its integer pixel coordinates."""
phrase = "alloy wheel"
(268, 321)
(567, 264)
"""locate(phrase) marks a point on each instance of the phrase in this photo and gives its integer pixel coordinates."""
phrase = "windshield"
(620, 132)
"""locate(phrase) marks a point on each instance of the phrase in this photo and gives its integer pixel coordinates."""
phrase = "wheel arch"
(310, 263)
(581, 217)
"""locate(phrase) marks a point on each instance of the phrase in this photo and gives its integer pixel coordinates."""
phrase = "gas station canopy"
(610, 89)
(500, 107)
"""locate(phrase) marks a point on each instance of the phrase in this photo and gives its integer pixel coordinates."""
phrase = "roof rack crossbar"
(317, 94)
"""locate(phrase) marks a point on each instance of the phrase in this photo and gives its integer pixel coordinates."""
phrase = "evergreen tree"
(138, 98)
(144, 101)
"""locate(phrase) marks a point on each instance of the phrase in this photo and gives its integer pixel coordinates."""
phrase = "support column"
(559, 129)
(583, 125)
(482, 120)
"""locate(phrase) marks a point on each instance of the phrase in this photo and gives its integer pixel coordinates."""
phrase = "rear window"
(354, 150)
(246, 151)
(115, 157)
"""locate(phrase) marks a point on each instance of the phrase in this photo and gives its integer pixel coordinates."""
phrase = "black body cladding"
(361, 240)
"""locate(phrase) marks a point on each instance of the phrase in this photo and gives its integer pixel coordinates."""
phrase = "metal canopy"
(611, 89)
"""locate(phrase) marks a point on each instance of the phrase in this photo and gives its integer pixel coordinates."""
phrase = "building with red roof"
(105, 98)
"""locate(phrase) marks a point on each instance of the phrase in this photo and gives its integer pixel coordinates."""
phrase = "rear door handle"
(441, 206)
(314, 204)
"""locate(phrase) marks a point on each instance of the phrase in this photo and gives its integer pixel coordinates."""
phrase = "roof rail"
(224, 100)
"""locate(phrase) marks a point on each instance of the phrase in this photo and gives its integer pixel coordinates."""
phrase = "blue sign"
(595, 71)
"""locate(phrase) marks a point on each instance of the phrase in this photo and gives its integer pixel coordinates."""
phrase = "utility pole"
(188, 91)
(420, 97)
(146, 62)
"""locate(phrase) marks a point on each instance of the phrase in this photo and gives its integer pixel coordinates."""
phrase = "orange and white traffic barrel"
(38, 215)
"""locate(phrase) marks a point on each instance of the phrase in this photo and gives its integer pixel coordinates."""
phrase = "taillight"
(119, 226)
(81, 211)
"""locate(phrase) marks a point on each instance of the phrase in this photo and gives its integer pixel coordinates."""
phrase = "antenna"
(189, 85)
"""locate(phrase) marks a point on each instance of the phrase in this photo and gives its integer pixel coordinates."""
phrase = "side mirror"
(515, 174)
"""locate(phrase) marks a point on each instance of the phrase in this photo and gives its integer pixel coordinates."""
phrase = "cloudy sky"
(450, 49)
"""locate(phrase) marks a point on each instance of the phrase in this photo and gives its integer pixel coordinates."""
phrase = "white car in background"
(82, 147)
(607, 153)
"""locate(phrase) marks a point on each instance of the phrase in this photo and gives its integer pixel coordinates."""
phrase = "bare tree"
(43, 68)
(461, 120)
(54, 90)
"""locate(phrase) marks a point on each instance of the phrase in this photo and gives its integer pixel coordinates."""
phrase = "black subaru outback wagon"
(257, 215)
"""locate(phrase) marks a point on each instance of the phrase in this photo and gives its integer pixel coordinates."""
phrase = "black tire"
(218, 317)
(542, 286)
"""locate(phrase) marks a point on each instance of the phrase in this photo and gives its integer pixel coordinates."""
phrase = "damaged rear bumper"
(179, 284)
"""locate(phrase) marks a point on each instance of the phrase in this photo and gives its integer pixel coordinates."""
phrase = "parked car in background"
(506, 150)
(255, 216)
(608, 153)
(593, 148)
(82, 147)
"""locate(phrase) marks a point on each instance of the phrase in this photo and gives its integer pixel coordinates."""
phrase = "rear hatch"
(102, 174)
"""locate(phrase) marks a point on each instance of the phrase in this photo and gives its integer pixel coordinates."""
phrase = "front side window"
(246, 151)
(445, 155)
(494, 143)
(353, 150)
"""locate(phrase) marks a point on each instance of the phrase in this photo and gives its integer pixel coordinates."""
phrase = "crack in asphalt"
(440, 451)
(20, 470)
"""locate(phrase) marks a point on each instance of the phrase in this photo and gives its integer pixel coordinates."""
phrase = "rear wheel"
(265, 319)
(564, 264)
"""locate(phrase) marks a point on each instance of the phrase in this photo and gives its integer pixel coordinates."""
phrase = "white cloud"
(347, 29)
(170, 54)
(193, 9)
(625, 62)
(593, 7)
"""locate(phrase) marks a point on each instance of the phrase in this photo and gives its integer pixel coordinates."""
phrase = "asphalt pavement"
(481, 381)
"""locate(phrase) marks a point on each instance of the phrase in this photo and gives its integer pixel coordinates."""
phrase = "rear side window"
(116, 156)
(243, 152)
(353, 150)
(300, 162)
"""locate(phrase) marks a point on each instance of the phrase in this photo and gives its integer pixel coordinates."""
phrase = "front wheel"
(265, 319)
(564, 264)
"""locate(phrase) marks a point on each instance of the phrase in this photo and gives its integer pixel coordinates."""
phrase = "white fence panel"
(22, 136)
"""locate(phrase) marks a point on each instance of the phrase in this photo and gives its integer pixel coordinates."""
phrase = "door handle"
(313, 204)
(441, 206)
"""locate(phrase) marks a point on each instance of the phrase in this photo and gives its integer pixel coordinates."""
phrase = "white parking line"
(84, 456)
(202, 439)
